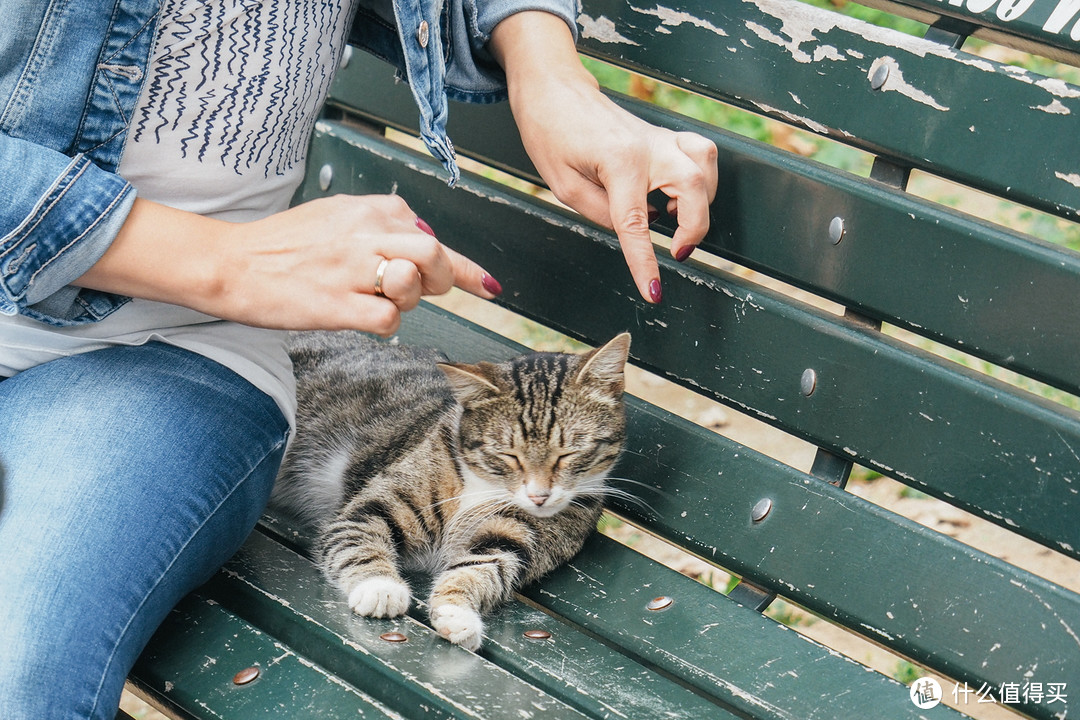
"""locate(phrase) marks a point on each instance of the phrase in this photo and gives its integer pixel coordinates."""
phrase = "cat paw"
(382, 597)
(460, 625)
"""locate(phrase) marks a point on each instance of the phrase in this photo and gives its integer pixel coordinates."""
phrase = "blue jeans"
(127, 477)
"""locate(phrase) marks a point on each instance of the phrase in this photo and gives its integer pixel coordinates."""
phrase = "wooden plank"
(813, 67)
(284, 595)
(1043, 27)
(966, 438)
(569, 665)
(192, 659)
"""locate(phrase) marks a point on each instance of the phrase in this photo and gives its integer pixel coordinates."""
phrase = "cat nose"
(539, 498)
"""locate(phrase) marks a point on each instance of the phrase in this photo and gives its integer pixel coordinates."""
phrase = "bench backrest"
(1003, 445)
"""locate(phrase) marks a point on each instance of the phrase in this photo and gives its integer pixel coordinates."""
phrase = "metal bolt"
(660, 603)
(879, 76)
(761, 510)
(246, 675)
(393, 637)
(537, 634)
(808, 382)
(422, 33)
(836, 230)
(346, 57)
(326, 175)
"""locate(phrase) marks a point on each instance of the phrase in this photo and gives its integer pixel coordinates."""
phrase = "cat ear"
(606, 363)
(468, 383)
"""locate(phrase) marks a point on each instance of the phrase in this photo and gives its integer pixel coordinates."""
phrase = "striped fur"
(488, 475)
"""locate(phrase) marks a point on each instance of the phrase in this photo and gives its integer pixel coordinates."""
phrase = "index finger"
(472, 278)
(627, 188)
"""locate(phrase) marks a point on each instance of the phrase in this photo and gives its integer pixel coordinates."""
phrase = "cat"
(488, 476)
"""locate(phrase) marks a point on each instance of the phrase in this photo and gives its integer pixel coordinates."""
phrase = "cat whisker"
(617, 493)
(470, 495)
(640, 484)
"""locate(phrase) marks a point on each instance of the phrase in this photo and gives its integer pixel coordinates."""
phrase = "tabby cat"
(487, 476)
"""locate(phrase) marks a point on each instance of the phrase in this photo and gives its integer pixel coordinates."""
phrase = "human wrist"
(535, 48)
(166, 255)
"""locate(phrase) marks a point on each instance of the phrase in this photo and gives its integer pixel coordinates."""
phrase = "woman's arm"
(596, 157)
(310, 267)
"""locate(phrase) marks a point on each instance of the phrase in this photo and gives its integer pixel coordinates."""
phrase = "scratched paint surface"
(812, 67)
(192, 659)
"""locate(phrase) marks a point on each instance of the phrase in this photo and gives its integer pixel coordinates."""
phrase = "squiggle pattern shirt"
(231, 94)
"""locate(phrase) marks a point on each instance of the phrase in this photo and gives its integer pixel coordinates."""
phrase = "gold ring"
(379, 272)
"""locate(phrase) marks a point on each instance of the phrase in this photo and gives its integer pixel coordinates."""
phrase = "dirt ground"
(941, 517)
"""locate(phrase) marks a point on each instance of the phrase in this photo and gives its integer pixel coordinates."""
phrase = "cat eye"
(512, 460)
(561, 460)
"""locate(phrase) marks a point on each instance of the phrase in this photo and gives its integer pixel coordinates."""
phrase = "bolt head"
(836, 230)
(660, 603)
(761, 510)
(393, 637)
(326, 176)
(879, 76)
(537, 634)
(808, 382)
(246, 675)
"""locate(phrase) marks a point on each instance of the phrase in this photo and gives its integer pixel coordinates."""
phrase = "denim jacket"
(70, 77)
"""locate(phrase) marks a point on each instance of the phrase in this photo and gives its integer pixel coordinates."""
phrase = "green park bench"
(934, 345)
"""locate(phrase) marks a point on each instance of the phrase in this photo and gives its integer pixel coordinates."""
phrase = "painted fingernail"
(491, 284)
(654, 215)
(424, 226)
(654, 290)
(684, 252)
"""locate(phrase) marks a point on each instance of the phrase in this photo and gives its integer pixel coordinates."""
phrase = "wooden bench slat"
(570, 666)
(1043, 27)
(193, 657)
(812, 67)
(284, 594)
(750, 348)
(761, 667)
(773, 213)
(1015, 617)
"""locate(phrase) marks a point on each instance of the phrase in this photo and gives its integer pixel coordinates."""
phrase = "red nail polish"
(654, 290)
(491, 285)
(654, 215)
(424, 226)
(684, 252)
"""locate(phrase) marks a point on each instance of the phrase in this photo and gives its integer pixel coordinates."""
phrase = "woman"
(149, 261)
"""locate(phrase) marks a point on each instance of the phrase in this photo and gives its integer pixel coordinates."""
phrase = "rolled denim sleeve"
(59, 216)
(489, 13)
(471, 72)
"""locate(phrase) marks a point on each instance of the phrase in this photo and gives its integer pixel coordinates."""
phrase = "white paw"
(460, 625)
(380, 597)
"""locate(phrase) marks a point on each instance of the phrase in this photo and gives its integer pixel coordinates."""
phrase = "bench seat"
(894, 333)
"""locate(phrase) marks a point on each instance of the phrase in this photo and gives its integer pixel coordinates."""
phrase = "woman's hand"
(313, 266)
(595, 156)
